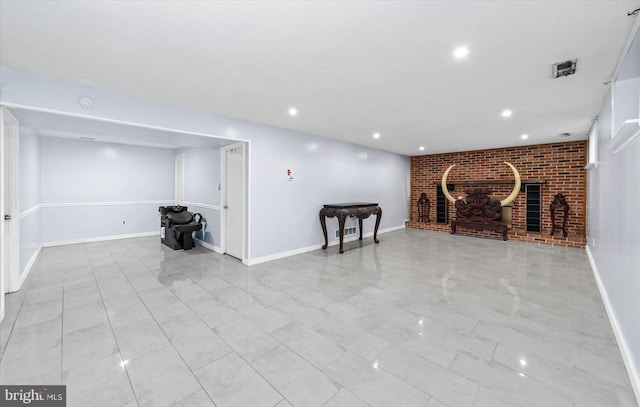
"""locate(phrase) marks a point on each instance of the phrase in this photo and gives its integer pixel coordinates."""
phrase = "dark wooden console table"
(360, 210)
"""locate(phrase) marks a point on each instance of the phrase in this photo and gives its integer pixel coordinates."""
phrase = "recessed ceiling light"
(376, 135)
(506, 113)
(524, 136)
(421, 148)
(293, 111)
(461, 52)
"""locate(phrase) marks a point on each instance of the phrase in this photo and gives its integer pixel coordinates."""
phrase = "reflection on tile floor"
(424, 318)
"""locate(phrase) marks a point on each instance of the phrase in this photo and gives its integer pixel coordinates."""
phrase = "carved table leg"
(375, 231)
(323, 223)
(341, 218)
(453, 228)
(504, 234)
(360, 225)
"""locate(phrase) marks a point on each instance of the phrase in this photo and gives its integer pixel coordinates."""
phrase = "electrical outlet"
(124, 221)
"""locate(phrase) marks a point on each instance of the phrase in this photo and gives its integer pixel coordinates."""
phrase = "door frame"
(245, 197)
(9, 230)
(179, 179)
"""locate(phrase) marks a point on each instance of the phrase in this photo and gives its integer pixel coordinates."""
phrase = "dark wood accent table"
(360, 210)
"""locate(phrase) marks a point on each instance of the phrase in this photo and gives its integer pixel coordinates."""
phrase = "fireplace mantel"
(492, 182)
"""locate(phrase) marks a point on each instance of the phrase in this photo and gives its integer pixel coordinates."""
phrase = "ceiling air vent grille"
(564, 68)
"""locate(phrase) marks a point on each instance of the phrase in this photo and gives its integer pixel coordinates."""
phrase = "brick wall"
(559, 165)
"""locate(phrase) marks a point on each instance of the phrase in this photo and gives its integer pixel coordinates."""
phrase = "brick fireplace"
(556, 168)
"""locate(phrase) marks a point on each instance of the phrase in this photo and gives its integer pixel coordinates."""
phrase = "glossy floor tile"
(421, 319)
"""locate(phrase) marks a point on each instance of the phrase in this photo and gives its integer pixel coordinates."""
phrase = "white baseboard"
(281, 255)
(25, 273)
(387, 230)
(632, 369)
(99, 239)
(208, 246)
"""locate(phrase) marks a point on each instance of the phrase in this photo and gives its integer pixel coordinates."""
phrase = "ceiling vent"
(565, 68)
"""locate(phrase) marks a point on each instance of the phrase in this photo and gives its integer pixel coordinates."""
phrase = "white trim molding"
(632, 369)
(208, 246)
(201, 205)
(30, 211)
(276, 256)
(111, 203)
(26, 271)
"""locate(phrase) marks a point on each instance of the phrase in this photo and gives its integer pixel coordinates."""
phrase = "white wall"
(333, 172)
(325, 171)
(29, 169)
(613, 228)
(29, 174)
(89, 188)
(202, 177)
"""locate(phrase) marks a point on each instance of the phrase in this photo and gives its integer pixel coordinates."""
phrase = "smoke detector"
(86, 102)
(565, 68)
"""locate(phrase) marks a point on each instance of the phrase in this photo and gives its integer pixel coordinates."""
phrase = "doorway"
(233, 198)
(9, 206)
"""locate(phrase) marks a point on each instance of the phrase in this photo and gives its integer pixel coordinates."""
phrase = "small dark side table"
(360, 210)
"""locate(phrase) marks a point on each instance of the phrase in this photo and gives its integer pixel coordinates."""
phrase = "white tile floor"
(422, 319)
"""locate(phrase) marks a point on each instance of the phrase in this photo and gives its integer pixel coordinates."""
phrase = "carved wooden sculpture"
(423, 208)
(479, 212)
(560, 206)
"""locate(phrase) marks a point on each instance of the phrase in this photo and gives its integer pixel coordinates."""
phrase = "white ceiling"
(350, 68)
(55, 125)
